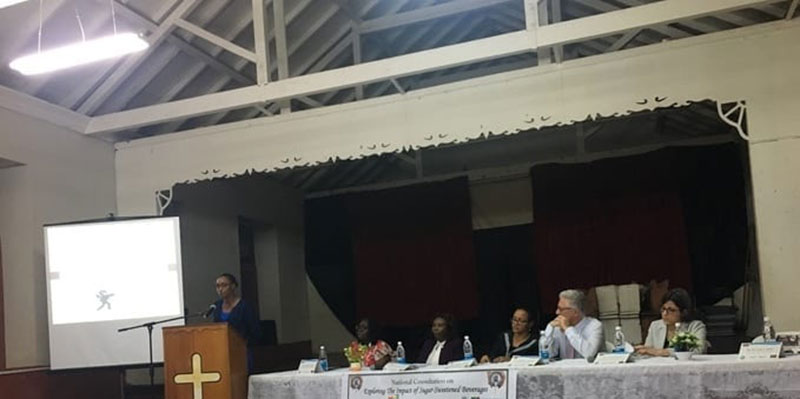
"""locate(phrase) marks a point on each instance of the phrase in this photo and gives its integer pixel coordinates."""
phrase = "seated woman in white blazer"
(676, 307)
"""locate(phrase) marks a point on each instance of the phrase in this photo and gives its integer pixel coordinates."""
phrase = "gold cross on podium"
(197, 377)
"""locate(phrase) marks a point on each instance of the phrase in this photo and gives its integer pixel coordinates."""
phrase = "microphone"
(210, 311)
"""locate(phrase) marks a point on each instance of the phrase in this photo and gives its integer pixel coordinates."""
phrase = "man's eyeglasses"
(669, 310)
(518, 321)
(560, 309)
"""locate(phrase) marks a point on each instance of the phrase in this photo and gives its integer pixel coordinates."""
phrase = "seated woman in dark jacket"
(445, 346)
(519, 341)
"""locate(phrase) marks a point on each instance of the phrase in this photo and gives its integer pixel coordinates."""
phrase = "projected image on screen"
(113, 271)
(104, 276)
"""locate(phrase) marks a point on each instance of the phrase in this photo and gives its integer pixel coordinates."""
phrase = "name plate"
(462, 364)
(612, 358)
(308, 366)
(523, 361)
(790, 341)
(394, 366)
(767, 350)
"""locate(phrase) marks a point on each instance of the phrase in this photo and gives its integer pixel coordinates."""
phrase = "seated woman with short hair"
(378, 351)
(676, 307)
(518, 341)
(445, 346)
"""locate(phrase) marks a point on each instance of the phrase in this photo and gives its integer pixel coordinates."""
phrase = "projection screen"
(102, 276)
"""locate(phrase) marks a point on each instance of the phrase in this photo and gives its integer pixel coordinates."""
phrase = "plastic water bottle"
(544, 348)
(323, 359)
(769, 331)
(619, 340)
(468, 348)
(401, 353)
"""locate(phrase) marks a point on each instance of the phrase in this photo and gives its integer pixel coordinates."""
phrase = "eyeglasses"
(669, 310)
(560, 309)
(518, 321)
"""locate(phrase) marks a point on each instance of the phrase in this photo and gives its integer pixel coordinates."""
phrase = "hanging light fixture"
(9, 3)
(84, 52)
(79, 53)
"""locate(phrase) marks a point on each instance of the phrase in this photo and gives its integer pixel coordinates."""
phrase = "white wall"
(325, 327)
(501, 202)
(266, 255)
(774, 123)
(210, 244)
(209, 247)
(65, 177)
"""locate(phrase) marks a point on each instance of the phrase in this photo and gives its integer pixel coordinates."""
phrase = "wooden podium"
(204, 361)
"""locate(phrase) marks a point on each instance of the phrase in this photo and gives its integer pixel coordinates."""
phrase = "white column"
(774, 126)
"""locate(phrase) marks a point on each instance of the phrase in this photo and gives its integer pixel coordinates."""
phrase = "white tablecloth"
(711, 377)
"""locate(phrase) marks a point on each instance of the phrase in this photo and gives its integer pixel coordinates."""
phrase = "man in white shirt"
(572, 334)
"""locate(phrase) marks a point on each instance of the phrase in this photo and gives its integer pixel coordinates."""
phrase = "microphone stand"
(149, 326)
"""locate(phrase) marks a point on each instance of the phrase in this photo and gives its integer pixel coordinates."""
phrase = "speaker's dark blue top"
(243, 319)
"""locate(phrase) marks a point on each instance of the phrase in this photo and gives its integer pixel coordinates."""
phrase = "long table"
(706, 376)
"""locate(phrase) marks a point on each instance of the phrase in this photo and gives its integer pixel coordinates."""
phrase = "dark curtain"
(329, 256)
(614, 221)
(507, 279)
(715, 213)
(401, 255)
(413, 253)
(397, 256)
(676, 214)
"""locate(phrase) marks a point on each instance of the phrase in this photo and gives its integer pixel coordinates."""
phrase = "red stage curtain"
(608, 222)
(413, 253)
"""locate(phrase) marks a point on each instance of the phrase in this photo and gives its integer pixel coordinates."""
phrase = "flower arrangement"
(684, 342)
(355, 353)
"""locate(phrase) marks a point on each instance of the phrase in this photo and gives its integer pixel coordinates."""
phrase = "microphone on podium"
(210, 311)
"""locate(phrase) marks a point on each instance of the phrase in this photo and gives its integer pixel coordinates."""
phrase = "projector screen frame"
(175, 319)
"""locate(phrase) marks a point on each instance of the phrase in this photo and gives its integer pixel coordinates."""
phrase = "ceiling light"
(8, 3)
(79, 53)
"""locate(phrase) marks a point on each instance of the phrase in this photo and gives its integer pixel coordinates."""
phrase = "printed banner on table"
(451, 384)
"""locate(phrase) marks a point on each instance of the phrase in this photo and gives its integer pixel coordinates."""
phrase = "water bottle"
(544, 348)
(467, 348)
(769, 331)
(619, 340)
(323, 359)
(401, 353)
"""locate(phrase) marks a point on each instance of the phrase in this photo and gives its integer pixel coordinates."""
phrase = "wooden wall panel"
(2, 315)
(73, 384)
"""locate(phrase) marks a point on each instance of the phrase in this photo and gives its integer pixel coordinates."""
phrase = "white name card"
(523, 361)
(612, 358)
(790, 341)
(394, 366)
(462, 364)
(308, 366)
(766, 350)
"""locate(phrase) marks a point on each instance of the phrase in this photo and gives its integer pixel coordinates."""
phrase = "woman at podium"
(234, 310)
